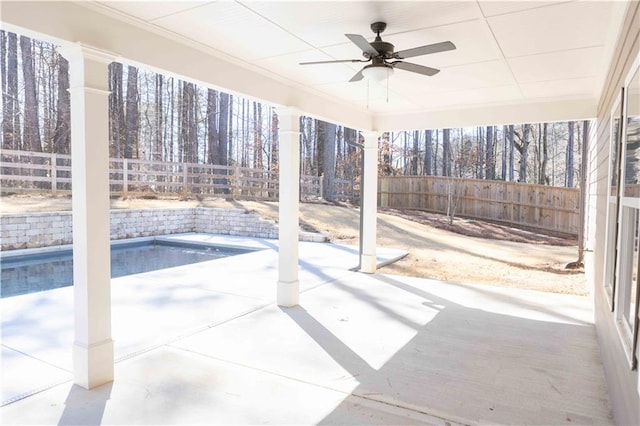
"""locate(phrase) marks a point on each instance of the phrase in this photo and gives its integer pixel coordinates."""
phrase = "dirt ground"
(467, 251)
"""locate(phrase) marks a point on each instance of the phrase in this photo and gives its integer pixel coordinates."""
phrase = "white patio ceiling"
(515, 60)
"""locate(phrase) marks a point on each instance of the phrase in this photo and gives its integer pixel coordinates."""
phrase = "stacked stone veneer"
(27, 230)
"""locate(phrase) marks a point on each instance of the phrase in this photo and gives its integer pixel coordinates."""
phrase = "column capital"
(88, 67)
(289, 119)
(370, 138)
(80, 51)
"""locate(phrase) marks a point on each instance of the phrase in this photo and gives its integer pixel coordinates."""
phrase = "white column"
(289, 183)
(93, 348)
(369, 201)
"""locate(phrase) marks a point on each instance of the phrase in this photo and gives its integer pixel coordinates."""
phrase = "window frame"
(613, 201)
(628, 211)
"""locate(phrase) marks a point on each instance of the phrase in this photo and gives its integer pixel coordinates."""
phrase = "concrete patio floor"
(205, 344)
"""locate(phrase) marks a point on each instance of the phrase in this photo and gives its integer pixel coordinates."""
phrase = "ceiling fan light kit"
(377, 72)
(384, 59)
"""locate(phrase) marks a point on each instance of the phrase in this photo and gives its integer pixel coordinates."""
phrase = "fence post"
(236, 179)
(125, 176)
(184, 178)
(54, 174)
(384, 192)
(321, 186)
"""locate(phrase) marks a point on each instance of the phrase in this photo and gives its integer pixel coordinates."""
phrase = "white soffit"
(509, 52)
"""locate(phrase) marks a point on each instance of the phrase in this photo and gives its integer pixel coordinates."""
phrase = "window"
(628, 248)
(612, 205)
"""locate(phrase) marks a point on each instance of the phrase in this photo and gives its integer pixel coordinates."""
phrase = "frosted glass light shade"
(377, 72)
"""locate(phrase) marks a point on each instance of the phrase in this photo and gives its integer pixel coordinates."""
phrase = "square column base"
(288, 293)
(368, 263)
(93, 364)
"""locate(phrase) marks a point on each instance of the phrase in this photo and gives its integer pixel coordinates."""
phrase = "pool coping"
(241, 243)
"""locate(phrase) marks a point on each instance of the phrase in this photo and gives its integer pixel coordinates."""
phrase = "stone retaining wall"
(28, 230)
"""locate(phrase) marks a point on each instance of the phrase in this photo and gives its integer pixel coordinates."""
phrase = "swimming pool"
(49, 270)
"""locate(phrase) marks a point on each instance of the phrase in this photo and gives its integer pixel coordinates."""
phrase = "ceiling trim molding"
(546, 111)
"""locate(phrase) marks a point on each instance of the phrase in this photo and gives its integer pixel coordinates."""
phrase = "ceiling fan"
(384, 59)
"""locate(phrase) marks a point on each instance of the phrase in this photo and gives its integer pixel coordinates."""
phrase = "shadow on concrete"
(475, 365)
(84, 407)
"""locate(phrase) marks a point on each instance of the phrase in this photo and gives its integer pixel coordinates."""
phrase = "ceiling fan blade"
(425, 50)
(420, 69)
(357, 77)
(331, 62)
(363, 44)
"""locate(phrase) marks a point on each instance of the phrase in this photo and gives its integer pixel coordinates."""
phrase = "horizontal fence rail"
(544, 208)
(23, 171)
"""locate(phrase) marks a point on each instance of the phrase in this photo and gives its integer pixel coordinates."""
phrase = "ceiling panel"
(558, 66)
(551, 29)
(150, 10)
(473, 39)
(233, 29)
(288, 66)
(579, 87)
(487, 95)
(493, 8)
(486, 74)
(325, 23)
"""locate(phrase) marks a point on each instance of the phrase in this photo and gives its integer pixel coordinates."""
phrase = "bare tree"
(569, 153)
(132, 120)
(327, 157)
(446, 153)
(490, 161)
(62, 134)
(11, 120)
(31, 134)
(116, 110)
(213, 137)
(428, 153)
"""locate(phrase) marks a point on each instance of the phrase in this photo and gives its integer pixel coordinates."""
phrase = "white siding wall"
(622, 382)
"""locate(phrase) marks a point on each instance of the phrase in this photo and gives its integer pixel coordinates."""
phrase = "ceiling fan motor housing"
(384, 48)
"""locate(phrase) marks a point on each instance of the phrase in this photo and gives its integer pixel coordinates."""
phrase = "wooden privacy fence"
(23, 171)
(545, 208)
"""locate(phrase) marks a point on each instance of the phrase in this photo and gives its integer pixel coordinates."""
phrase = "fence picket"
(545, 208)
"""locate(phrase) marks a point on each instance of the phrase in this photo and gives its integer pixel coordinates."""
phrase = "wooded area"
(155, 117)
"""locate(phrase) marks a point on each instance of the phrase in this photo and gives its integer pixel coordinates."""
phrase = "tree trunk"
(274, 163)
(31, 134)
(257, 135)
(415, 154)
(229, 147)
(212, 127)
(223, 128)
(159, 115)
(116, 110)
(132, 120)
(62, 134)
(326, 157)
(544, 156)
(503, 170)
(446, 153)
(7, 102)
(12, 134)
(428, 152)
(481, 161)
(569, 161)
(511, 152)
(523, 149)
(490, 160)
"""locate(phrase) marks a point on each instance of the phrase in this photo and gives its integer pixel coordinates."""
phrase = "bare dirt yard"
(467, 251)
